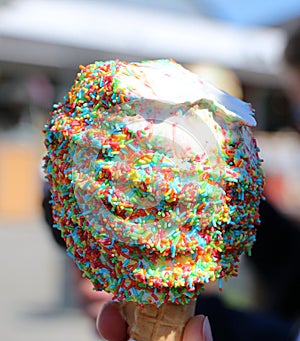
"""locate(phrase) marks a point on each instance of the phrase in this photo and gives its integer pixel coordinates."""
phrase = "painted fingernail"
(101, 337)
(206, 330)
(98, 327)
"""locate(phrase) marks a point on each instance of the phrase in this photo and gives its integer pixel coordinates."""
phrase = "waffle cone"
(150, 323)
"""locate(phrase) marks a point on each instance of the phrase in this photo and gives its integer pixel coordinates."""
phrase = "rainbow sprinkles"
(156, 179)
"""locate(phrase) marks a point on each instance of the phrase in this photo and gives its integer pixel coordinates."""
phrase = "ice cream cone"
(156, 182)
(150, 323)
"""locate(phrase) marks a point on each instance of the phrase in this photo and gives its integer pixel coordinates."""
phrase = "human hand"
(112, 327)
(91, 301)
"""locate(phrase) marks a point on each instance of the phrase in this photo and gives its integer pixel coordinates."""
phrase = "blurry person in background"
(276, 253)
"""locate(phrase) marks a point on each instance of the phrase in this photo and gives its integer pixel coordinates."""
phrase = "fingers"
(198, 329)
(110, 323)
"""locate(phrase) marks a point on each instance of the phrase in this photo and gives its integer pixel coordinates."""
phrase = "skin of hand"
(112, 327)
(91, 301)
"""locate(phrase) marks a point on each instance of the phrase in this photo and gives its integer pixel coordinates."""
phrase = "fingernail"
(101, 337)
(206, 330)
(97, 327)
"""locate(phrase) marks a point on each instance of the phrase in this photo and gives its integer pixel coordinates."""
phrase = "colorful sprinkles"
(155, 184)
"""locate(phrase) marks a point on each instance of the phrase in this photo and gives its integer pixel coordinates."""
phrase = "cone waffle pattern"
(150, 323)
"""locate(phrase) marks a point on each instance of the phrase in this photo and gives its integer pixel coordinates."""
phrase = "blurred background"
(237, 45)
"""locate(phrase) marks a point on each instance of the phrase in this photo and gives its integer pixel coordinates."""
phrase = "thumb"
(198, 329)
(110, 323)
